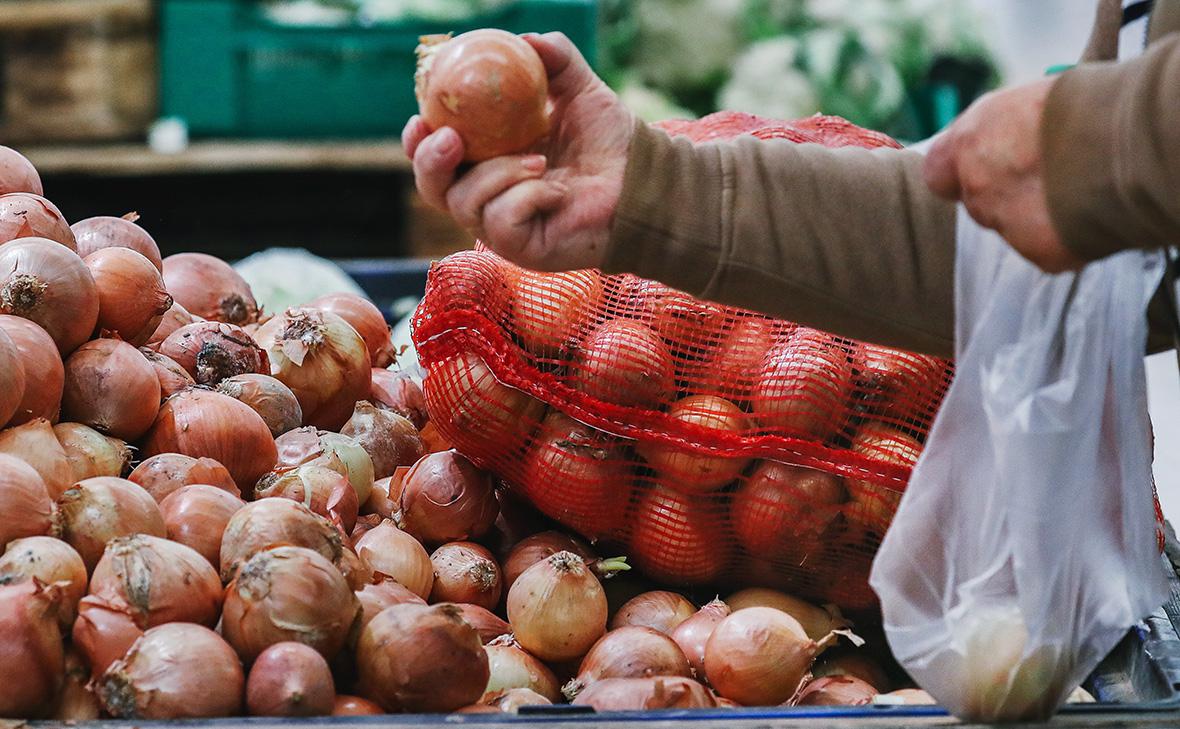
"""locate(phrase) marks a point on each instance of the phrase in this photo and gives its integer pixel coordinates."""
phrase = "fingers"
(436, 157)
(413, 134)
(512, 220)
(940, 169)
(567, 69)
(467, 197)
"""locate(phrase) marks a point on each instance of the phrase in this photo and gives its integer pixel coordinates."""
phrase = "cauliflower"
(766, 81)
(649, 104)
(685, 43)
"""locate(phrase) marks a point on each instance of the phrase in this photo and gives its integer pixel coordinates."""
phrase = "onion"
(365, 524)
(639, 694)
(165, 473)
(489, 86)
(212, 351)
(870, 505)
(886, 375)
(175, 318)
(44, 374)
(623, 362)
(804, 386)
(35, 444)
(783, 512)
(466, 572)
(856, 664)
(201, 423)
(103, 633)
(446, 499)
(28, 215)
(759, 656)
(547, 307)
(132, 299)
(689, 326)
(386, 494)
(105, 231)
(196, 516)
(288, 593)
(629, 652)
(14, 382)
(50, 561)
(377, 596)
(736, 360)
(17, 173)
(155, 680)
(693, 634)
(34, 664)
(509, 701)
(513, 667)
(308, 445)
(112, 388)
(157, 581)
(209, 288)
(95, 511)
(76, 702)
(579, 476)
(173, 378)
(486, 623)
(911, 697)
(659, 610)
(90, 453)
(421, 658)
(271, 399)
(355, 706)
(290, 679)
(517, 521)
(835, 691)
(388, 438)
(366, 319)
(48, 284)
(679, 539)
(321, 489)
(391, 552)
(817, 621)
(557, 608)
(24, 501)
(271, 522)
(322, 359)
(487, 417)
(399, 392)
(684, 469)
(532, 549)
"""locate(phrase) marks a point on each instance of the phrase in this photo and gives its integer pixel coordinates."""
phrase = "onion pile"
(13, 376)
(393, 553)
(660, 610)
(112, 388)
(157, 581)
(319, 488)
(97, 510)
(197, 515)
(290, 679)
(17, 173)
(336, 451)
(466, 572)
(51, 562)
(173, 378)
(34, 664)
(366, 319)
(104, 231)
(557, 608)
(212, 351)
(389, 439)
(36, 444)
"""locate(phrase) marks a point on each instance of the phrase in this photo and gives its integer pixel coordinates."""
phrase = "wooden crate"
(76, 70)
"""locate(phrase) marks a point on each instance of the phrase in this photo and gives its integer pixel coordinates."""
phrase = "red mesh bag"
(712, 445)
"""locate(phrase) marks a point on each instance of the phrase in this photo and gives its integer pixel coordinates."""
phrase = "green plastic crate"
(229, 71)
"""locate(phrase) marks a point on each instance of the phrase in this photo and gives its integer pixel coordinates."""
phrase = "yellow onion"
(271, 399)
(196, 516)
(212, 351)
(445, 498)
(163, 474)
(389, 439)
(112, 388)
(385, 496)
(290, 679)
(682, 467)
(783, 512)
(854, 663)
(44, 373)
(532, 549)
(909, 697)
(629, 652)
(401, 393)
(95, 511)
(391, 552)
(365, 524)
(202, 423)
(509, 701)
(24, 501)
(288, 593)
(557, 608)
(489, 625)
(175, 671)
(693, 634)
(320, 488)
(872, 506)
(659, 610)
(49, 284)
(309, 445)
(173, 378)
(625, 363)
(466, 572)
(804, 386)
(512, 667)
(28, 214)
(817, 621)
(381, 594)
(421, 658)
(366, 319)
(35, 444)
(157, 581)
(12, 378)
(346, 705)
(210, 288)
(76, 702)
(176, 317)
(679, 538)
(322, 359)
(90, 453)
(132, 299)
(50, 561)
(547, 307)
(103, 633)
(640, 694)
(106, 231)
(835, 691)
(34, 665)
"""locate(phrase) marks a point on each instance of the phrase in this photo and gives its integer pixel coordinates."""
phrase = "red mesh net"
(712, 445)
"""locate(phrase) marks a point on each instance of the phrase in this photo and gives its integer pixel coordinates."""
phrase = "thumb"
(941, 169)
(565, 65)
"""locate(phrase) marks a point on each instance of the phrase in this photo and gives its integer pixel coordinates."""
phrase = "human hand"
(550, 210)
(990, 159)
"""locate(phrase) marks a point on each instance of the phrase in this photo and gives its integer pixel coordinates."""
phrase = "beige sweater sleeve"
(847, 240)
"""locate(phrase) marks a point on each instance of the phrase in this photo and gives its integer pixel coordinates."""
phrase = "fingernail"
(534, 163)
(447, 141)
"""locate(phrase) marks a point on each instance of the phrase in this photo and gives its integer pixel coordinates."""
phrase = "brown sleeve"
(1111, 153)
(847, 240)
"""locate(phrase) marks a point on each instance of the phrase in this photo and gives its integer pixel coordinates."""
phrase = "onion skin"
(105, 231)
(389, 439)
(34, 665)
(17, 173)
(97, 510)
(12, 370)
(513, 667)
(173, 378)
(659, 610)
(557, 608)
(323, 490)
(288, 593)
(271, 399)
(693, 634)
(623, 362)
(855, 663)
(758, 656)
(385, 496)
(783, 512)
(90, 453)
(738, 357)
(638, 694)
(355, 706)
(489, 625)
(804, 386)
(366, 319)
(629, 652)
(163, 474)
(50, 285)
(265, 523)
(24, 501)
(196, 516)
(465, 572)
(817, 621)
(44, 373)
(157, 581)
(509, 701)
(679, 539)
(445, 498)
(29, 215)
(35, 444)
(394, 553)
(384, 593)
(290, 679)
(869, 505)
(547, 307)
(103, 633)
(175, 318)
(212, 351)
(532, 549)
(156, 681)
(835, 691)
(692, 472)
(132, 299)
(209, 288)
(202, 423)
(399, 392)
(51, 562)
(76, 702)
(489, 86)
(392, 670)
(112, 388)
(884, 374)
(308, 445)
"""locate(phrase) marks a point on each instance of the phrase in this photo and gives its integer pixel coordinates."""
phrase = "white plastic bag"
(1024, 546)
